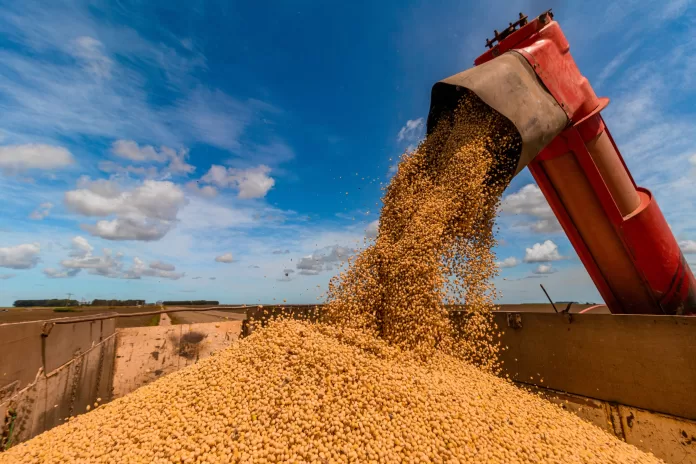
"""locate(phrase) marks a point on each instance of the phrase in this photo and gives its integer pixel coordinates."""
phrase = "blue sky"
(236, 150)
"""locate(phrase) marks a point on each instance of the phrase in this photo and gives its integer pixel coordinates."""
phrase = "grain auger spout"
(616, 227)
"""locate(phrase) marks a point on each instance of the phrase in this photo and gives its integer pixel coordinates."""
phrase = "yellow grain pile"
(388, 379)
(435, 241)
(301, 393)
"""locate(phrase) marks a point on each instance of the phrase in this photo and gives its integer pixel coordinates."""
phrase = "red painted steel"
(571, 231)
(657, 279)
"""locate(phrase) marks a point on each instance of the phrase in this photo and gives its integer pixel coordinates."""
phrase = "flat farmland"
(10, 315)
(215, 314)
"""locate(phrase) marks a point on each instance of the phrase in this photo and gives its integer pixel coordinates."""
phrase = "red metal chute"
(616, 227)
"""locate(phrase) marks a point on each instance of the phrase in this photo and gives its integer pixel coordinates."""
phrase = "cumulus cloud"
(108, 264)
(688, 246)
(41, 212)
(24, 256)
(508, 262)
(250, 183)
(544, 269)
(7, 276)
(207, 191)
(82, 256)
(80, 247)
(130, 150)
(155, 269)
(159, 265)
(177, 161)
(542, 253)
(126, 228)
(146, 212)
(19, 158)
(372, 229)
(53, 273)
(530, 201)
(323, 260)
(413, 130)
(226, 258)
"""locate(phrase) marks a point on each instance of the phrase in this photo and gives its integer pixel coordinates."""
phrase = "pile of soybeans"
(386, 376)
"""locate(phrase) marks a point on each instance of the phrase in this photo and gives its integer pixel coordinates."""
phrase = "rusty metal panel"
(144, 354)
(20, 356)
(65, 341)
(636, 360)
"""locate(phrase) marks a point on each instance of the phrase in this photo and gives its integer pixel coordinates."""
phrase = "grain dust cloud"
(386, 376)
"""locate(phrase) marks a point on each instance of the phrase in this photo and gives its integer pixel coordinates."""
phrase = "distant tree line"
(65, 302)
(191, 303)
(118, 302)
(45, 303)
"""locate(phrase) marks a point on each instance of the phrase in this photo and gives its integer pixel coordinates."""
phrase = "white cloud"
(692, 159)
(130, 150)
(162, 266)
(323, 260)
(24, 256)
(146, 212)
(688, 246)
(128, 228)
(53, 273)
(7, 276)
(108, 264)
(18, 158)
(544, 269)
(207, 191)
(226, 258)
(542, 253)
(156, 269)
(413, 130)
(41, 212)
(102, 187)
(80, 247)
(177, 161)
(508, 262)
(530, 201)
(91, 52)
(251, 183)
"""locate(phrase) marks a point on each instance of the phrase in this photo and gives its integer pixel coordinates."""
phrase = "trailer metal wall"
(51, 372)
